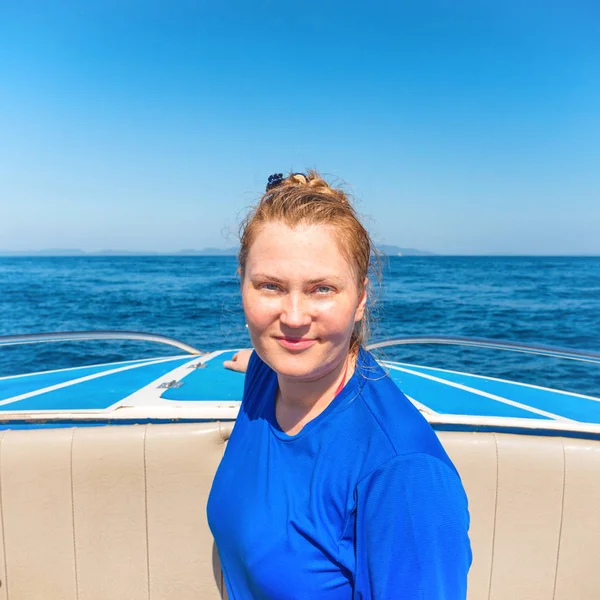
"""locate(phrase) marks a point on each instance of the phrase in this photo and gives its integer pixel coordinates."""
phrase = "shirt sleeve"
(412, 524)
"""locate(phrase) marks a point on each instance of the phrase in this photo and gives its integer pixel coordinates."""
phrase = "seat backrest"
(93, 513)
(119, 512)
(535, 526)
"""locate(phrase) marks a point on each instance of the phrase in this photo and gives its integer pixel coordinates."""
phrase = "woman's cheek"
(333, 311)
(326, 304)
(261, 311)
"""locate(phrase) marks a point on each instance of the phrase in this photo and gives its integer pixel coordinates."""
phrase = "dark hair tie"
(274, 180)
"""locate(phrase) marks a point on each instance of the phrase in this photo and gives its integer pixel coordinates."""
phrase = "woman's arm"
(239, 361)
(412, 526)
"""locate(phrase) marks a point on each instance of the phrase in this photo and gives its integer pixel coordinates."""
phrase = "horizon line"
(231, 252)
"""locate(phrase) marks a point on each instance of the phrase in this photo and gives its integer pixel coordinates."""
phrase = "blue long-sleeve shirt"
(363, 503)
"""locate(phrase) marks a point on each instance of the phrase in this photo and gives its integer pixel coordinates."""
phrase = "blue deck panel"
(15, 386)
(446, 399)
(556, 402)
(213, 382)
(97, 393)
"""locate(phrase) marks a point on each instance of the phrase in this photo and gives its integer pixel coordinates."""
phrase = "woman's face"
(300, 299)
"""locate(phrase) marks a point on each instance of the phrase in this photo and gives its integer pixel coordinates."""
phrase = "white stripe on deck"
(500, 399)
(65, 384)
(94, 366)
(487, 378)
(150, 394)
(422, 407)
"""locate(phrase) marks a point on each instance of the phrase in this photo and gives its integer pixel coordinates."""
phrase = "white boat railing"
(474, 342)
(73, 336)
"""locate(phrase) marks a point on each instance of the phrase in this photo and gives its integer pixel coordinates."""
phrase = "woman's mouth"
(295, 343)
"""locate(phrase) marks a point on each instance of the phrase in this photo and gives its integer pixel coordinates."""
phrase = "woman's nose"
(295, 311)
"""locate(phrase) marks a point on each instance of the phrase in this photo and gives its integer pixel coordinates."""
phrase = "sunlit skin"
(301, 301)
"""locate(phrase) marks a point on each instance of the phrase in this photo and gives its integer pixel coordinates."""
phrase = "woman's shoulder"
(393, 417)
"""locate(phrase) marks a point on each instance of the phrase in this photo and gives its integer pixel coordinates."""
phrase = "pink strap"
(343, 381)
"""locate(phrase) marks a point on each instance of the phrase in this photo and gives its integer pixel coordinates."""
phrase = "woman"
(332, 485)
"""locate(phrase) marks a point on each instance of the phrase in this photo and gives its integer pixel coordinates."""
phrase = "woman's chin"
(297, 365)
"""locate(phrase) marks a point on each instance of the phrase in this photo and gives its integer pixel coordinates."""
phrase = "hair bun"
(311, 179)
(295, 177)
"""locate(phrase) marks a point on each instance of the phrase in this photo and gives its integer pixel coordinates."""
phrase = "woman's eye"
(270, 287)
(323, 289)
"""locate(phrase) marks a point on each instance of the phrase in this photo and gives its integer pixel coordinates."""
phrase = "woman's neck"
(299, 402)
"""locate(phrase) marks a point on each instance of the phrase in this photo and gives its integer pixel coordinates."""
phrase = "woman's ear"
(362, 302)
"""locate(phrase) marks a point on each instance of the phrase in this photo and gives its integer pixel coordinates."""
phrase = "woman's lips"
(291, 343)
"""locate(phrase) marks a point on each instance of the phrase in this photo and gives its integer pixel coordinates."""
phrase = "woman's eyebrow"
(265, 276)
(331, 279)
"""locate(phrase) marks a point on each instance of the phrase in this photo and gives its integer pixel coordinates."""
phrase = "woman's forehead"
(306, 249)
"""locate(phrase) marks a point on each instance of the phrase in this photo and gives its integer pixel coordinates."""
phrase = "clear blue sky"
(461, 126)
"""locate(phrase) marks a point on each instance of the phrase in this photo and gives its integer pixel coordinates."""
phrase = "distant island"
(76, 252)
(387, 250)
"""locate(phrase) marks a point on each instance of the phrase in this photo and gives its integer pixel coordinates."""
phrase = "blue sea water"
(545, 300)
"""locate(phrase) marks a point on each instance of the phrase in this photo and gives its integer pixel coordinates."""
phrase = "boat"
(105, 471)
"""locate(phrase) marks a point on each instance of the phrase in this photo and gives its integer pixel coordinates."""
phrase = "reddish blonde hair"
(309, 200)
